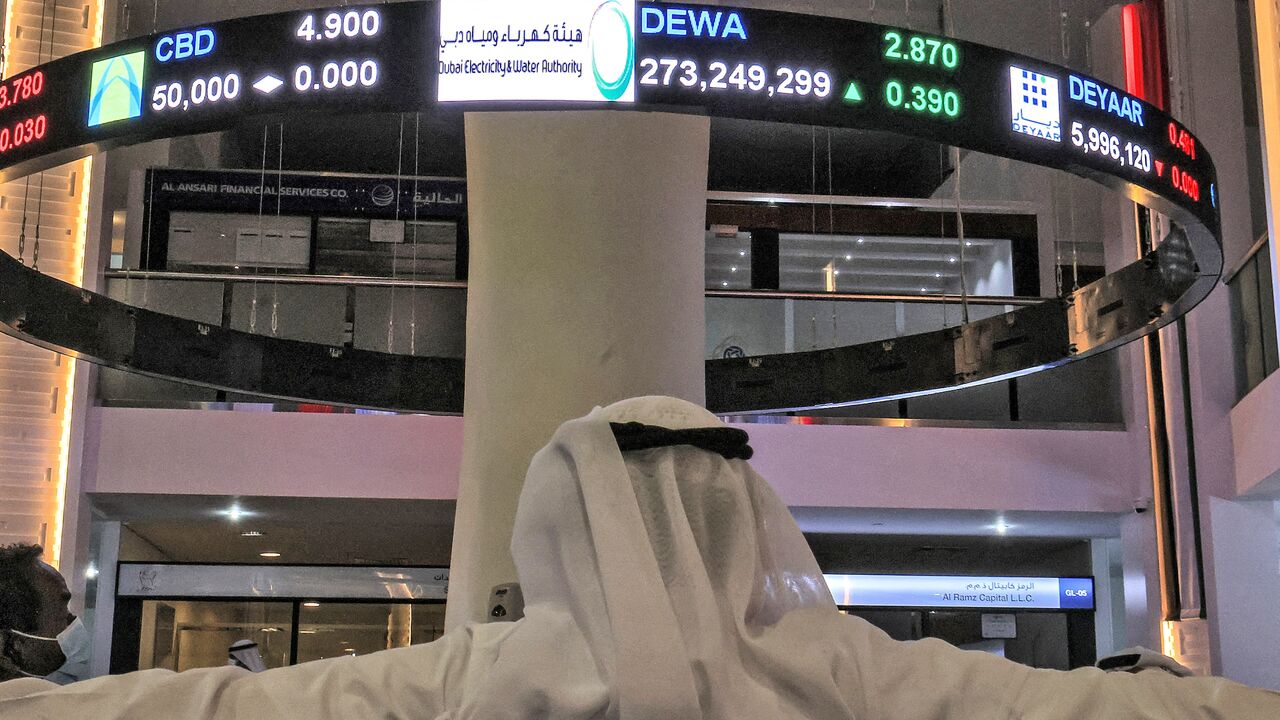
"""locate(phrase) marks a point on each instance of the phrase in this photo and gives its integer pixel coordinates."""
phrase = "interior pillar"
(585, 287)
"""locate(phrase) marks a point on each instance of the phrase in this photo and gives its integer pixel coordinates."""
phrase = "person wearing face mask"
(39, 637)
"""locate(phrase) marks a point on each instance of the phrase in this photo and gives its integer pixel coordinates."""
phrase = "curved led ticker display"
(728, 62)
(621, 54)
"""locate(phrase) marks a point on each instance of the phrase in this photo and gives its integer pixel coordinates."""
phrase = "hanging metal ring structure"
(1125, 305)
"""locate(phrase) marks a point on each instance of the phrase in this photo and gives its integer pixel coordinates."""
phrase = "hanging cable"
(943, 154)
(1057, 241)
(413, 293)
(813, 179)
(831, 207)
(35, 251)
(146, 256)
(391, 314)
(1059, 286)
(275, 270)
(964, 282)
(955, 155)
(257, 259)
(1064, 40)
(831, 228)
(22, 233)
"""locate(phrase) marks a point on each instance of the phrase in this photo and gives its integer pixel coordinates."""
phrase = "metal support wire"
(262, 196)
(964, 282)
(275, 270)
(391, 312)
(413, 294)
(35, 251)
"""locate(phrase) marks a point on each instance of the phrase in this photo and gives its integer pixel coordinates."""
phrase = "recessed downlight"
(269, 554)
(311, 604)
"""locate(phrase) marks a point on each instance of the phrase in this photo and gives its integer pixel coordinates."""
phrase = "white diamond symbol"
(268, 84)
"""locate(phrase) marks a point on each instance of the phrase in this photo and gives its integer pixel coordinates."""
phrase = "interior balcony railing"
(429, 318)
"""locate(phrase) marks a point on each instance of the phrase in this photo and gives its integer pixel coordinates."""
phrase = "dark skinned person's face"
(40, 657)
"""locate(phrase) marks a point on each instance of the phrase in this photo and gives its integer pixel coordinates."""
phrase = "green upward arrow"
(853, 95)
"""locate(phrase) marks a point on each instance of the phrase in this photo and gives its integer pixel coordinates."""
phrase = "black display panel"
(807, 69)
(727, 62)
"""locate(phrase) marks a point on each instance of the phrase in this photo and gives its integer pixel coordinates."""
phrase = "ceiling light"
(742, 253)
(837, 272)
(306, 632)
(311, 604)
(1001, 527)
(251, 533)
(924, 290)
(733, 268)
(269, 554)
(271, 629)
(937, 275)
(235, 513)
(350, 650)
(848, 256)
(724, 284)
(861, 240)
(951, 259)
(968, 244)
(91, 572)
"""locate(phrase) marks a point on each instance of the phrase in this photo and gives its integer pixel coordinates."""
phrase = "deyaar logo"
(115, 91)
(613, 50)
(1036, 104)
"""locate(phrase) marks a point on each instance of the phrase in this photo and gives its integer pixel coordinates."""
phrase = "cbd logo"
(115, 88)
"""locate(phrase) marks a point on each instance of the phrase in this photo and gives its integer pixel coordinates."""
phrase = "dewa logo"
(613, 49)
(115, 90)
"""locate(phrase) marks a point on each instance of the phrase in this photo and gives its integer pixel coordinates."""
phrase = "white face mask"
(76, 644)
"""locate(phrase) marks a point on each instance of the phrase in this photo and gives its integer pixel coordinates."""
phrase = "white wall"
(1247, 559)
(1253, 430)
(272, 454)
(417, 456)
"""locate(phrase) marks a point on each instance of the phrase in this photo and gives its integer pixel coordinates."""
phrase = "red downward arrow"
(1159, 168)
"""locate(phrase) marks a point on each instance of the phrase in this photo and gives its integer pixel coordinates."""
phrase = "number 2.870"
(921, 50)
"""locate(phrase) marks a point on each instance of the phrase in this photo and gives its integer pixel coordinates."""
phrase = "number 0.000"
(336, 74)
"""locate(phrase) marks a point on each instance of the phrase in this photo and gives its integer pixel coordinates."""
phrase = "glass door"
(184, 634)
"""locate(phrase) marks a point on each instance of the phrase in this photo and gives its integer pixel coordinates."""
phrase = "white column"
(585, 287)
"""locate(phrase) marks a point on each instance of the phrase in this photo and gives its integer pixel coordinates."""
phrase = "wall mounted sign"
(282, 581)
(962, 591)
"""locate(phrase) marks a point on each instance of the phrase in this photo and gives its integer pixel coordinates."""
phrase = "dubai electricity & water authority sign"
(567, 51)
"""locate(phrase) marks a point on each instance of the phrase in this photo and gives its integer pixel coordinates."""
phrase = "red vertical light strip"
(1145, 69)
(1135, 77)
